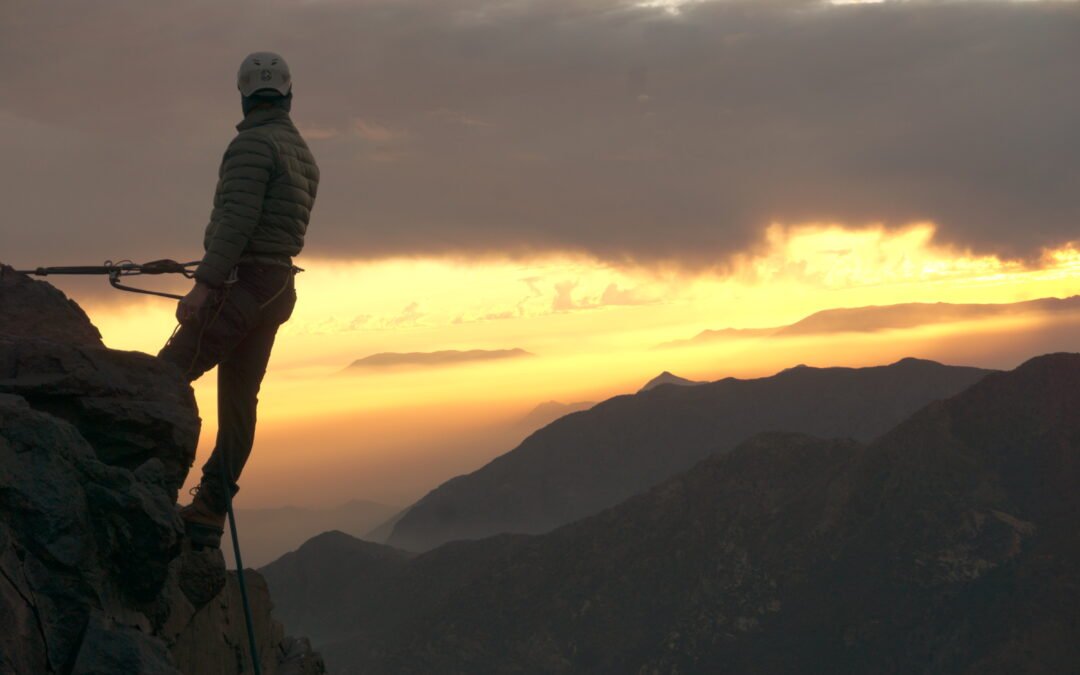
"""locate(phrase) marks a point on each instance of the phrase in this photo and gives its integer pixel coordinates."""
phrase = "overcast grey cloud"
(627, 132)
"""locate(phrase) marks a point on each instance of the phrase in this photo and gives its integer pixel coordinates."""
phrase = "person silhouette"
(244, 285)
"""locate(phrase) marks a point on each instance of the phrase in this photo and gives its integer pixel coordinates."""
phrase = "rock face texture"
(21, 303)
(95, 575)
(594, 459)
(947, 545)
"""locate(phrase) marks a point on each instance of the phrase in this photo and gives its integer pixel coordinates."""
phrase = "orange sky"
(326, 437)
(580, 179)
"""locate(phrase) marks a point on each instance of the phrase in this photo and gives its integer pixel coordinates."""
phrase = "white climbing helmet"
(264, 70)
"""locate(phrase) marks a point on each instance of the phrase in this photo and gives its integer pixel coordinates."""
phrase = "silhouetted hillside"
(382, 532)
(270, 533)
(338, 568)
(948, 545)
(546, 413)
(590, 460)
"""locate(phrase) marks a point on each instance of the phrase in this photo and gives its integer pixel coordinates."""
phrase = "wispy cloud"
(612, 296)
(377, 133)
(319, 133)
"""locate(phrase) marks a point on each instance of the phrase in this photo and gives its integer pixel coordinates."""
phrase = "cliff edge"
(95, 575)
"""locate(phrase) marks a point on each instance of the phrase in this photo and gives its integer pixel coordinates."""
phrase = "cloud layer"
(434, 359)
(614, 129)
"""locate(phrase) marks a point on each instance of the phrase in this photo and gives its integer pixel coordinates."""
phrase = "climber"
(244, 286)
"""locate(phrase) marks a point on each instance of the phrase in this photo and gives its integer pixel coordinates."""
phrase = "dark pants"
(235, 331)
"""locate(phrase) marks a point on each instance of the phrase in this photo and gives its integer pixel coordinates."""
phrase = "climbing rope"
(256, 665)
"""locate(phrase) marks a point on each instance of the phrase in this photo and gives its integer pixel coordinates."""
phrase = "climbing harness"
(124, 269)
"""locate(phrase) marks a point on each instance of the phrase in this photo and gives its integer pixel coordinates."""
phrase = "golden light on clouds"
(592, 328)
(831, 256)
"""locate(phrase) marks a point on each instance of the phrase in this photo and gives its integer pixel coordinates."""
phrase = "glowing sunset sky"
(593, 330)
(580, 179)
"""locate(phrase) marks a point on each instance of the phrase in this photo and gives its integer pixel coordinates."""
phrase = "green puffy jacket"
(265, 192)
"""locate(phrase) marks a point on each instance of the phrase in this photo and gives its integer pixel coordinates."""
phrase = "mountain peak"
(667, 377)
(915, 361)
(336, 542)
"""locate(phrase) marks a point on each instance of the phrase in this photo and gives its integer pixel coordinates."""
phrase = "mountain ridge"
(271, 532)
(592, 459)
(945, 545)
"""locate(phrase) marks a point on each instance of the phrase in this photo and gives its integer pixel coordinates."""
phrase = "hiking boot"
(203, 524)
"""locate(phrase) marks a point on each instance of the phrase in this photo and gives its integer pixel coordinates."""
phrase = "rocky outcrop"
(95, 575)
(213, 640)
(22, 301)
(594, 459)
(947, 545)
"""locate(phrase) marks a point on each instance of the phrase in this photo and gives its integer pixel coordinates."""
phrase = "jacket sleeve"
(245, 172)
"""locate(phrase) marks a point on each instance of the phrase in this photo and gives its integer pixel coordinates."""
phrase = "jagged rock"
(110, 648)
(202, 574)
(130, 407)
(44, 466)
(215, 640)
(95, 574)
(41, 312)
(22, 640)
(296, 657)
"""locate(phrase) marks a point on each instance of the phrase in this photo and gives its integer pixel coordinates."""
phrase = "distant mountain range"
(270, 533)
(876, 318)
(383, 530)
(590, 460)
(546, 413)
(947, 545)
(433, 359)
(540, 416)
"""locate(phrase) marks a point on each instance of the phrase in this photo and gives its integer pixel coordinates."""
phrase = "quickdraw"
(123, 269)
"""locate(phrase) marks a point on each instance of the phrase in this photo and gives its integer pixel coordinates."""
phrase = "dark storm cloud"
(595, 126)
